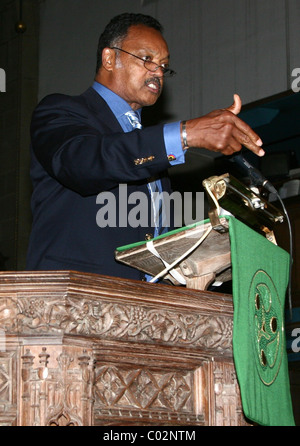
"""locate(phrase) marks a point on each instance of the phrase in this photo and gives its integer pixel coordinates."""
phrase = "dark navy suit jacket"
(79, 150)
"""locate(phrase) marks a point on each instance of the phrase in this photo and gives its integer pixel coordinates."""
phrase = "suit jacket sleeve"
(79, 142)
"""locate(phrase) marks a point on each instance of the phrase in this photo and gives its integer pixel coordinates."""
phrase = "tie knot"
(134, 119)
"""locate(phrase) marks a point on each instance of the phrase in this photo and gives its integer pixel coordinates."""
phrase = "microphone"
(254, 174)
(258, 179)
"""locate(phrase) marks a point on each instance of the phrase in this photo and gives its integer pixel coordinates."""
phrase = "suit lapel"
(101, 110)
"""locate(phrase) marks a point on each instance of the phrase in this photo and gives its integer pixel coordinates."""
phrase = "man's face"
(130, 79)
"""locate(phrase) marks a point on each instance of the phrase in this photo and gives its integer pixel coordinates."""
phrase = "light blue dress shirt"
(119, 107)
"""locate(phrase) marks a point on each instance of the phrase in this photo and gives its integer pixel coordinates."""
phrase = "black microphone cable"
(291, 252)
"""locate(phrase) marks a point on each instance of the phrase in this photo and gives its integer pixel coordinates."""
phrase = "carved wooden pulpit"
(83, 349)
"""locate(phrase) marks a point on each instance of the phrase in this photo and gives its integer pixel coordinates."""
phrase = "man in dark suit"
(87, 149)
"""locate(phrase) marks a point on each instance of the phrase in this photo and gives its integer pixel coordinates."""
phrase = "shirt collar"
(117, 105)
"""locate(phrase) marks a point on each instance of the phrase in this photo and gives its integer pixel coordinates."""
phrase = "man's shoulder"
(87, 107)
(58, 99)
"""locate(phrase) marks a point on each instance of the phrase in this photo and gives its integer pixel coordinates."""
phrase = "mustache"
(155, 80)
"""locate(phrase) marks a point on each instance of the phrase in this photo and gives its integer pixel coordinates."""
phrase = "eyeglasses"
(149, 65)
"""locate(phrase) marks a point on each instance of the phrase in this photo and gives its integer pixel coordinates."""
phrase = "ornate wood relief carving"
(151, 395)
(56, 388)
(117, 321)
(78, 349)
(8, 408)
(228, 407)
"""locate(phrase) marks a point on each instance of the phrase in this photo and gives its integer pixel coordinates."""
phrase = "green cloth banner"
(260, 274)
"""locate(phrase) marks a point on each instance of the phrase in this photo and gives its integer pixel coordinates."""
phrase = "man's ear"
(108, 58)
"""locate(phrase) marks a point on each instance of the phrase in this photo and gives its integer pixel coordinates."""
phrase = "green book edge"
(175, 231)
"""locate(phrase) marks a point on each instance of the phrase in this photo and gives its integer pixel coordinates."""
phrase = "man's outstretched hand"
(222, 131)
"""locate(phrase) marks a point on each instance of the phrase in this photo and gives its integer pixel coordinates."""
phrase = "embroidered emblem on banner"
(266, 326)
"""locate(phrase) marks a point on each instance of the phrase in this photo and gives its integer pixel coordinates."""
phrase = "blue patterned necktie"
(153, 186)
(134, 119)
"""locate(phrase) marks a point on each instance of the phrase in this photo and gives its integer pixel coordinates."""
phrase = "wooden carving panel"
(8, 378)
(228, 407)
(119, 321)
(145, 395)
(56, 387)
(208, 395)
(81, 349)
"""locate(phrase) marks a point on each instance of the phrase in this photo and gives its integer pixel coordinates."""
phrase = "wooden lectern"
(200, 255)
(82, 349)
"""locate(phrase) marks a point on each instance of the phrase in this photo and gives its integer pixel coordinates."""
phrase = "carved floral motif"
(144, 391)
(109, 320)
